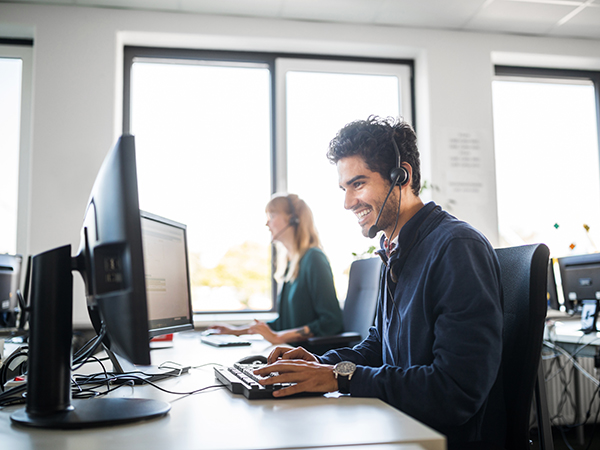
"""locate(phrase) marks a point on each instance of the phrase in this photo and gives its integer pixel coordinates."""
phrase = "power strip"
(16, 381)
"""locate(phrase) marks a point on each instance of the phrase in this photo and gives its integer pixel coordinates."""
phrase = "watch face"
(345, 368)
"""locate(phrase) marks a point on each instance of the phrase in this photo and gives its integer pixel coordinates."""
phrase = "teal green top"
(310, 299)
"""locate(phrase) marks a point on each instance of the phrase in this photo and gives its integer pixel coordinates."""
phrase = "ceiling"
(560, 18)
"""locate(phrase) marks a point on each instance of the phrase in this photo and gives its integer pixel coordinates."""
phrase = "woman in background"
(307, 302)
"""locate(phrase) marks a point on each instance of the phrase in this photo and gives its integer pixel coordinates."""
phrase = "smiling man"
(436, 346)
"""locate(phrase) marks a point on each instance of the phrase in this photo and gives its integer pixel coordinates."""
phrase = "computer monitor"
(111, 262)
(167, 275)
(167, 285)
(580, 278)
(10, 282)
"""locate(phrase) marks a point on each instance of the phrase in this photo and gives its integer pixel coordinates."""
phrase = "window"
(15, 82)
(218, 132)
(320, 98)
(547, 166)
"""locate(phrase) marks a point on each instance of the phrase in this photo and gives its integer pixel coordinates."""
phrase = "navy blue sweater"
(435, 349)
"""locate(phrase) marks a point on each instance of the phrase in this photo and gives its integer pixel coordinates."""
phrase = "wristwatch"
(343, 371)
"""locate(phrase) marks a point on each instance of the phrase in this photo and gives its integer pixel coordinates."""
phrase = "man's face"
(365, 192)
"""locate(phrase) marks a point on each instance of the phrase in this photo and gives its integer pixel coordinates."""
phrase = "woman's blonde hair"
(305, 234)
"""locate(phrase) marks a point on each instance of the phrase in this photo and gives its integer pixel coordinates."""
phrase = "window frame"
(550, 73)
(23, 49)
(278, 150)
(539, 74)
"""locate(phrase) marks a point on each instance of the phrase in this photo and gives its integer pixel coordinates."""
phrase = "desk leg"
(579, 431)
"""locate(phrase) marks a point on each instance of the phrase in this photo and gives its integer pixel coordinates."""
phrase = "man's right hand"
(294, 353)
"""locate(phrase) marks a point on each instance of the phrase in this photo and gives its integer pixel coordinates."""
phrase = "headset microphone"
(375, 229)
(274, 238)
(399, 177)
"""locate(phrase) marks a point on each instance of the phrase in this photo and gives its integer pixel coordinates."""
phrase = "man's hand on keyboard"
(309, 376)
(291, 353)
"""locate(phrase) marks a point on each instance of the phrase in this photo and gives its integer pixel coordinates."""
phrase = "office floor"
(566, 440)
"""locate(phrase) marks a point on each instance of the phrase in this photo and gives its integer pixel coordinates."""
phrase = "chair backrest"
(524, 273)
(363, 290)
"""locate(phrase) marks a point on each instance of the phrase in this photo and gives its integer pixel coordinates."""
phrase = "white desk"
(568, 335)
(219, 420)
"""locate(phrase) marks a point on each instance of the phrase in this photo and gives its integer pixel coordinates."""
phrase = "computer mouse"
(253, 359)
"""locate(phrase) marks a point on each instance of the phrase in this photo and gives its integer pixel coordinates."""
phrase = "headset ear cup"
(294, 220)
(399, 175)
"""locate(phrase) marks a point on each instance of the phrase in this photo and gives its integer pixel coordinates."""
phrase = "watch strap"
(343, 384)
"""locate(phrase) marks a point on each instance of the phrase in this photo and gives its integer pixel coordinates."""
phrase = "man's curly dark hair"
(371, 139)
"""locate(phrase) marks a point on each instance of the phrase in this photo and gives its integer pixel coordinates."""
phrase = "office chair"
(524, 272)
(359, 308)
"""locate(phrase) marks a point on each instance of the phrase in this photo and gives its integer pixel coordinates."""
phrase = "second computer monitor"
(167, 275)
(580, 278)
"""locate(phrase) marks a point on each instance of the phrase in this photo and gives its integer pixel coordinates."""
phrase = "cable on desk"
(88, 350)
(105, 378)
(7, 398)
(207, 364)
(139, 376)
(80, 388)
(79, 392)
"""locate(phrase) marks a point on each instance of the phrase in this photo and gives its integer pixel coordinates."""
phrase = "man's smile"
(362, 213)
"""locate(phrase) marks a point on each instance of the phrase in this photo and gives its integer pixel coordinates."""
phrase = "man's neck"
(411, 204)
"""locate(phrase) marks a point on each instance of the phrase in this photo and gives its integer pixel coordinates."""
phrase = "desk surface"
(217, 419)
(567, 334)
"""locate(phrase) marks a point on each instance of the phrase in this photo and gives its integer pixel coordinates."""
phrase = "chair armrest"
(341, 340)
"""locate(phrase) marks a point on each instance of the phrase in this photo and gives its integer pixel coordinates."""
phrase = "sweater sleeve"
(324, 302)
(365, 353)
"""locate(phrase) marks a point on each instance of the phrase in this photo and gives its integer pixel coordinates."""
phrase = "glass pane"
(318, 105)
(203, 148)
(547, 165)
(10, 114)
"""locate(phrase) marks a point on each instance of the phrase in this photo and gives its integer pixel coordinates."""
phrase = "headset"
(294, 220)
(398, 177)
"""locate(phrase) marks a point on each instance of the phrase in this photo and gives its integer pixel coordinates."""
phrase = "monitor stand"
(49, 403)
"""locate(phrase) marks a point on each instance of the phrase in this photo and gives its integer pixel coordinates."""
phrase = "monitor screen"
(580, 278)
(167, 275)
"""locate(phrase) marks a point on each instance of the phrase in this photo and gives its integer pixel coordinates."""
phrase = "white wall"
(77, 95)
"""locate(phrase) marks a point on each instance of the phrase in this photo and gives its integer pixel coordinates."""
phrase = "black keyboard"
(240, 379)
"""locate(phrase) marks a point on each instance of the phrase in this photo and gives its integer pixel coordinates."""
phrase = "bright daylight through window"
(318, 105)
(547, 164)
(204, 132)
(10, 114)
(203, 151)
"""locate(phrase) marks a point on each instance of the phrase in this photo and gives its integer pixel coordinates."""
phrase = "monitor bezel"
(154, 330)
